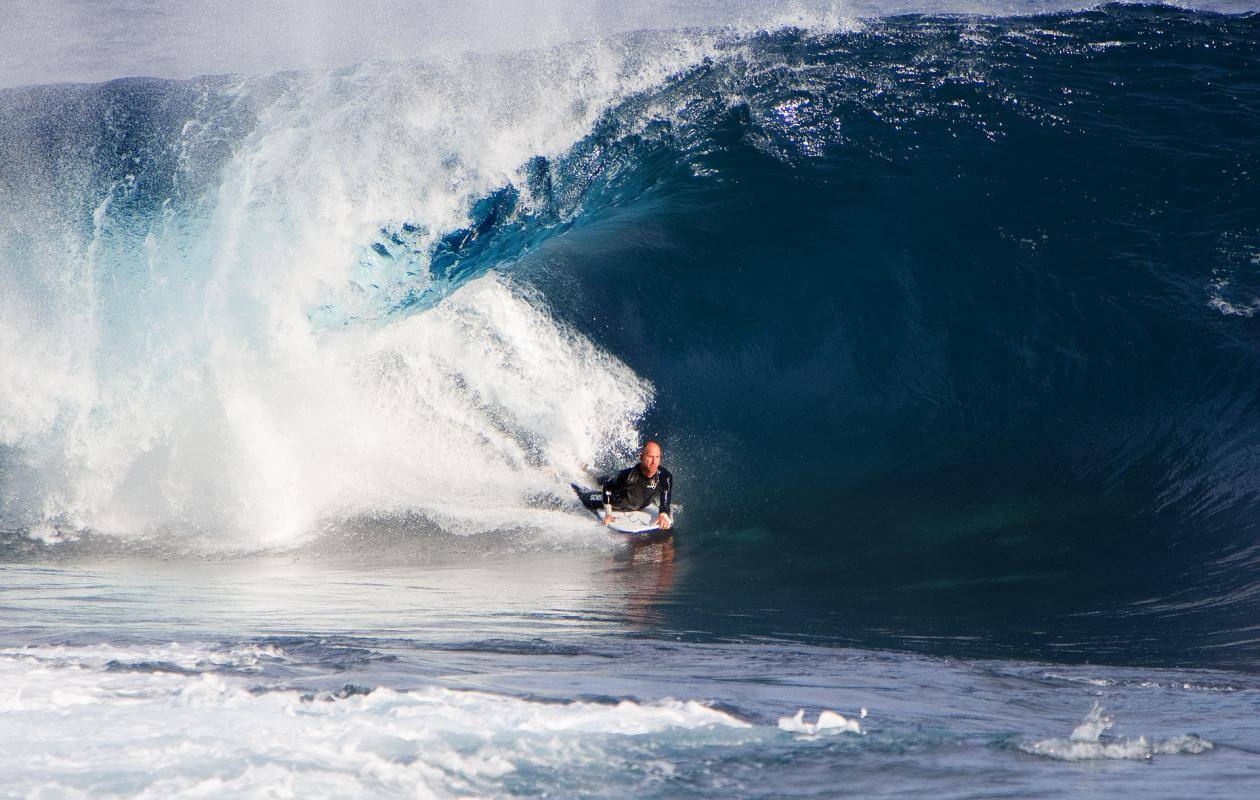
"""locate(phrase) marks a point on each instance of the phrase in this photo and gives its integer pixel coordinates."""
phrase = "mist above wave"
(73, 41)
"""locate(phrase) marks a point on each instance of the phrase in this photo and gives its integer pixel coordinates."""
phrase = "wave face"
(951, 322)
(947, 324)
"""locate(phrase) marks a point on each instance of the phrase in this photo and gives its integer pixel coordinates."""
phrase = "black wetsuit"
(630, 489)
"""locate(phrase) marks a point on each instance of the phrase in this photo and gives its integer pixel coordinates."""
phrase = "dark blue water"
(951, 322)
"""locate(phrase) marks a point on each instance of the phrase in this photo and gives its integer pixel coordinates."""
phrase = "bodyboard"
(634, 526)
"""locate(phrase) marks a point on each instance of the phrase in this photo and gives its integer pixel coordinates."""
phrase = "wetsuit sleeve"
(667, 488)
(612, 487)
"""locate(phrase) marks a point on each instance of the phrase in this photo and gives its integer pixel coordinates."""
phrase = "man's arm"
(611, 487)
(666, 489)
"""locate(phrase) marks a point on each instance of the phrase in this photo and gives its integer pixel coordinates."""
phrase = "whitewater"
(944, 315)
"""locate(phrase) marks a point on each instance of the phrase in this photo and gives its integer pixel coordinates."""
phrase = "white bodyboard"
(641, 521)
(636, 525)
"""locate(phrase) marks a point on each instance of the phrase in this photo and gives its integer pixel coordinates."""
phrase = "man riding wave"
(637, 487)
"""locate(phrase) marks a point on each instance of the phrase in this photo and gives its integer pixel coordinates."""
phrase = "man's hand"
(663, 521)
(608, 519)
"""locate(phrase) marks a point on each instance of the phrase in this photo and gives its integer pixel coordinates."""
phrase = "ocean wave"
(960, 299)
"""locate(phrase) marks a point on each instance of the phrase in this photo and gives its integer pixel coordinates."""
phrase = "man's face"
(650, 459)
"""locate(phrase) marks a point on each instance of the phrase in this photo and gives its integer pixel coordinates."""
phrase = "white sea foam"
(1233, 309)
(1218, 287)
(1086, 743)
(72, 729)
(163, 372)
(828, 723)
(182, 655)
(1086, 679)
(1194, 686)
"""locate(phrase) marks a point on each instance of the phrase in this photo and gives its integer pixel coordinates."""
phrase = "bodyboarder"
(637, 487)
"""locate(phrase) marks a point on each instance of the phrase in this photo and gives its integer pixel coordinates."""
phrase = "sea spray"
(1087, 743)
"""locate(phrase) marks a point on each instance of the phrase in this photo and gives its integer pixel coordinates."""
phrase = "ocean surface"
(947, 324)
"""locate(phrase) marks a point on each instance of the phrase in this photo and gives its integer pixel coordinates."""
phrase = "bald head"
(650, 459)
